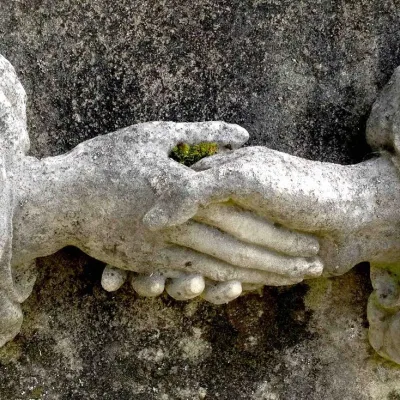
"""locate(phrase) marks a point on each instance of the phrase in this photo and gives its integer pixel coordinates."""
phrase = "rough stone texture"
(301, 77)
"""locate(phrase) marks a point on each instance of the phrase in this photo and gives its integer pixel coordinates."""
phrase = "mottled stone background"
(301, 77)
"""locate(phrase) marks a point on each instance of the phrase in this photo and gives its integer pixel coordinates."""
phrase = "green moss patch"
(188, 155)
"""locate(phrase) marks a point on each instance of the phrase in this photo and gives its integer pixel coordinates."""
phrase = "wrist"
(377, 191)
(42, 218)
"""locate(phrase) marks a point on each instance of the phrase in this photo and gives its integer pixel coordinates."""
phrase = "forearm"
(328, 198)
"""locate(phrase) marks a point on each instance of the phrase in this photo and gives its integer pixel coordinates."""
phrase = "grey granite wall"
(301, 77)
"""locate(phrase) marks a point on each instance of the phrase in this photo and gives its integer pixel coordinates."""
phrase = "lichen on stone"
(188, 155)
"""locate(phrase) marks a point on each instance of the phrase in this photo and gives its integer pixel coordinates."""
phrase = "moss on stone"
(317, 294)
(11, 352)
(37, 393)
(188, 155)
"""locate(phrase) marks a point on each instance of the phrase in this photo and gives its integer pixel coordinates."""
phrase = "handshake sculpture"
(233, 222)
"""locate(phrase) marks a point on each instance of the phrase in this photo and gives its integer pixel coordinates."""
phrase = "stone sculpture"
(126, 182)
(234, 221)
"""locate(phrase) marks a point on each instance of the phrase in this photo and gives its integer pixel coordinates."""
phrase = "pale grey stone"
(186, 288)
(113, 278)
(148, 285)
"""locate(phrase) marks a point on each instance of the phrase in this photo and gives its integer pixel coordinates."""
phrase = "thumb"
(174, 207)
(180, 203)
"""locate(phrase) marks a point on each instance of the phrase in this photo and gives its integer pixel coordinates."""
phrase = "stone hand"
(349, 208)
(97, 195)
(352, 209)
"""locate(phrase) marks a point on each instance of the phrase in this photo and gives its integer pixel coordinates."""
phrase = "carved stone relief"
(232, 222)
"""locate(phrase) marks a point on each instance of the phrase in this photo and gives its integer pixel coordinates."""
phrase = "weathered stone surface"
(301, 77)
(304, 342)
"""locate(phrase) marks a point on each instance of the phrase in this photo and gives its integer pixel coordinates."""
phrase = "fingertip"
(148, 286)
(186, 287)
(196, 285)
(316, 267)
(244, 136)
(239, 135)
(222, 293)
(112, 278)
(231, 136)
(233, 290)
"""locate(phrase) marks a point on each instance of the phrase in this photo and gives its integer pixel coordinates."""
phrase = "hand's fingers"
(185, 287)
(179, 286)
(181, 259)
(221, 293)
(251, 228)
(213, 242)
(113, 278)
(148, 285)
